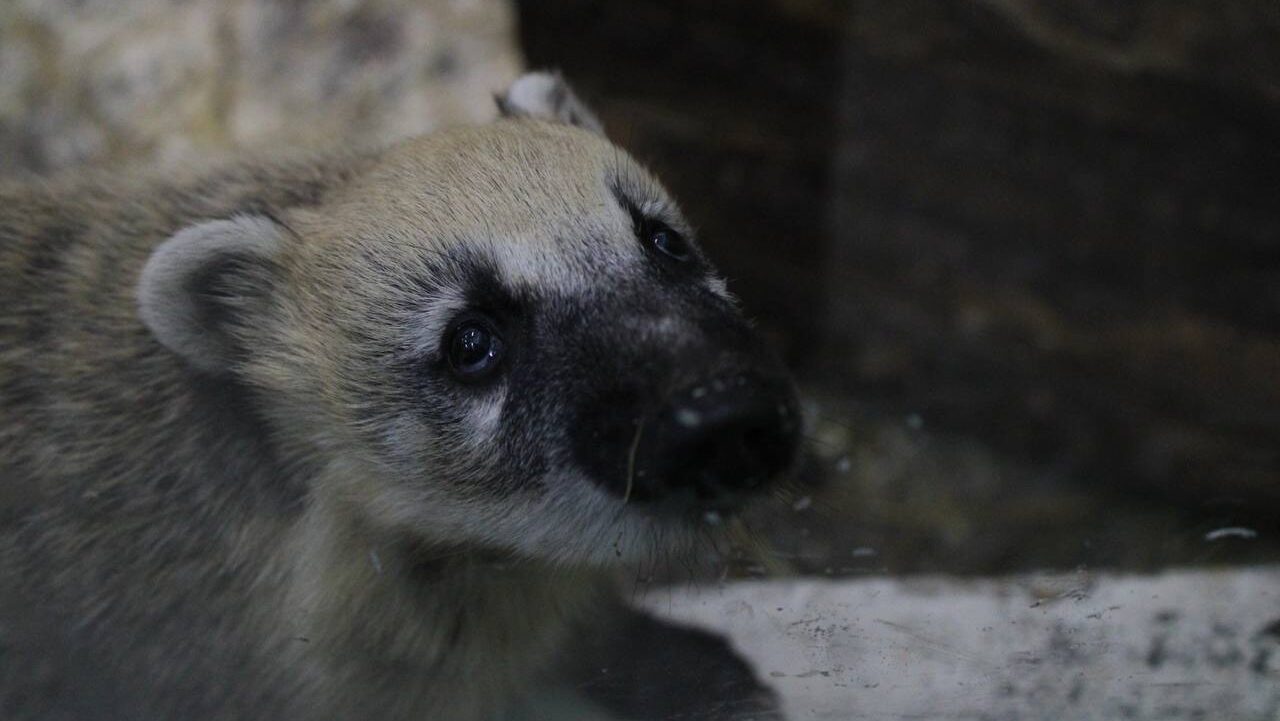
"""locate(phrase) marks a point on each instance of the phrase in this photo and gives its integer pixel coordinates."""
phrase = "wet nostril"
(712, 445)
(723, 441)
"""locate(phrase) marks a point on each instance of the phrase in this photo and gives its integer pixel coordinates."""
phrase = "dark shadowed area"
(1025, 255)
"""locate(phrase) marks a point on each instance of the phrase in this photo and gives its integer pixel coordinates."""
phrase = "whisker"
(631, 461)
(834, 420)
(757, 548)
(820, 442)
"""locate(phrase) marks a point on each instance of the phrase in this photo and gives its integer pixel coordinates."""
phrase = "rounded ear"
(547, 96)
(203, 282)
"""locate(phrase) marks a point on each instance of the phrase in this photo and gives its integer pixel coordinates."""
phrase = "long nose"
(717, 443)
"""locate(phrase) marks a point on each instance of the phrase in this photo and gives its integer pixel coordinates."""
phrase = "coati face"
(502, 336)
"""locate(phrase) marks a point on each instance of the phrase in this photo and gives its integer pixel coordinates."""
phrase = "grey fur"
(306, 532)
(168, 300)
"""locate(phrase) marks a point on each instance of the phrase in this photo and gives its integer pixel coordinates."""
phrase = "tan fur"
(91, 404)
(263, 538)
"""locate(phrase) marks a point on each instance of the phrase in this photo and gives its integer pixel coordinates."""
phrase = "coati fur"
(367, 434)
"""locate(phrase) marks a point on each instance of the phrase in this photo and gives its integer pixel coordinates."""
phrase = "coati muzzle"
(716, 443)
(712, 445)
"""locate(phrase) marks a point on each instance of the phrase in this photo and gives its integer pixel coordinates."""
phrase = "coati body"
(363, 435)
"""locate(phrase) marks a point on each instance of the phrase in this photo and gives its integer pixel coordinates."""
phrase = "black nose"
(717, 443)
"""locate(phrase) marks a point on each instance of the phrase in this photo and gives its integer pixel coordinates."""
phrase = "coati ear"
(205, 280)
(547, 96)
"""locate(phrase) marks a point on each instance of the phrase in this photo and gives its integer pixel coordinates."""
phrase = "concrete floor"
(1182, 645)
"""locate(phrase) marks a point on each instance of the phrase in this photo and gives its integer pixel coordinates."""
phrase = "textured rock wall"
(144, 81)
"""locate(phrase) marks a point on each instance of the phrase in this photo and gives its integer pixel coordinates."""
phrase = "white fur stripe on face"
(565, 270)
(428, 330)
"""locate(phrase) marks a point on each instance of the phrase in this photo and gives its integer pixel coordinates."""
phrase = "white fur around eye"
(656, 209)
(527, 263)
(427, 329)
(485, 416)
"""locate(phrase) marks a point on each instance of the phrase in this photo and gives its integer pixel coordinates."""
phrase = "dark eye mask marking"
(659, 239)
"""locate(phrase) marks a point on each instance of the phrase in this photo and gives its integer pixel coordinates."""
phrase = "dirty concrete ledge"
(1191, 644)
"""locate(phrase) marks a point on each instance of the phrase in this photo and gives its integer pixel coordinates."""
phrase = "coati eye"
(667, 241)
(654, 233)
(475, 350)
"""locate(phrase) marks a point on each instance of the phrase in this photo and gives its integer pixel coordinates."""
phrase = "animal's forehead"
(513, 171)
(541, 206)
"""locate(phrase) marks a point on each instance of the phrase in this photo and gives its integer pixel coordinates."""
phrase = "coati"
(366, 435)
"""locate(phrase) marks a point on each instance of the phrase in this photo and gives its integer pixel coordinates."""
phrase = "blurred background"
(1024, 255)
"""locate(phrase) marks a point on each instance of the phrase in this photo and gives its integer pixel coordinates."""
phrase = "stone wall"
(162, 81)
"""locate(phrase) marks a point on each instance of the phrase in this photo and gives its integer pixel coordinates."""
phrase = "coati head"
(501, 336)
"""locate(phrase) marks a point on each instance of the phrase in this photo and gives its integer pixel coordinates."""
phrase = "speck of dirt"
(1158, 653)
(1271, 629)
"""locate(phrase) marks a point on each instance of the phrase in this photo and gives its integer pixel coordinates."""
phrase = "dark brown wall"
(1058, 227)
(1053, 226)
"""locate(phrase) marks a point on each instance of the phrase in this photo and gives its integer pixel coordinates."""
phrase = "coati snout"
(713, 445)
(697, 416)
(670, 402)
(687, 430)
